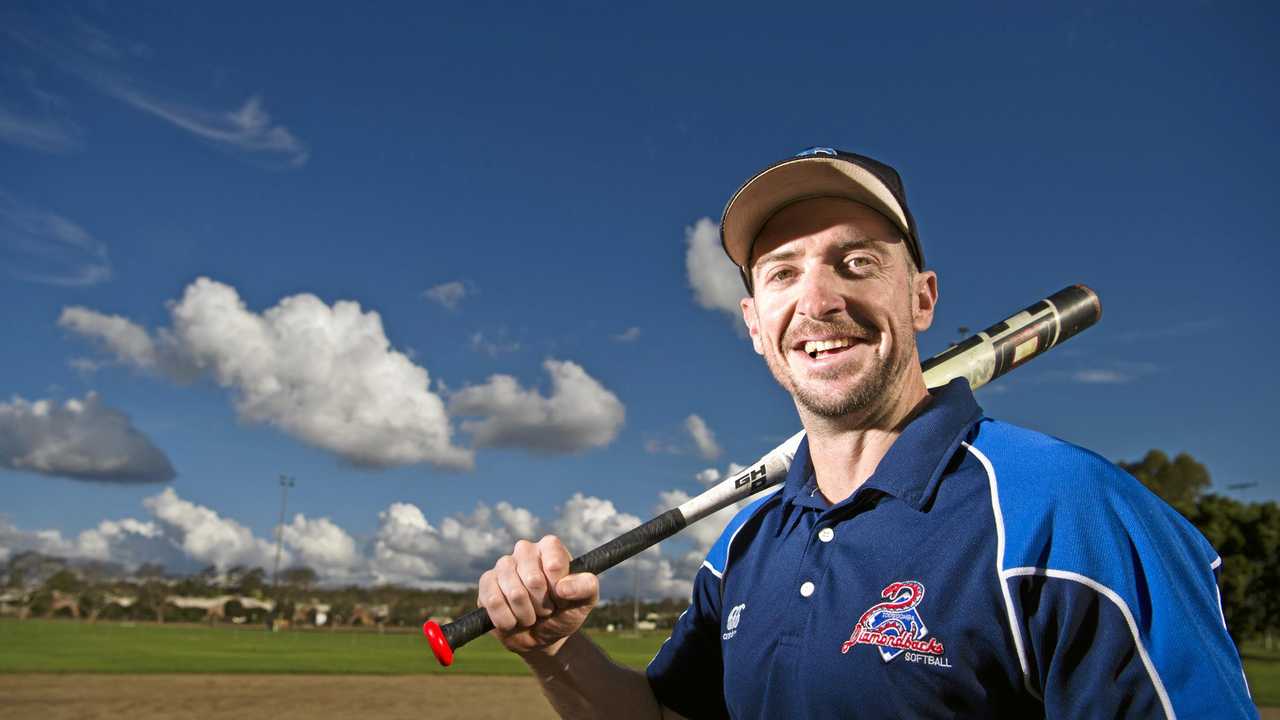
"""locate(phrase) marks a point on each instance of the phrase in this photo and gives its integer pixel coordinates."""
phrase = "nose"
(818, 295)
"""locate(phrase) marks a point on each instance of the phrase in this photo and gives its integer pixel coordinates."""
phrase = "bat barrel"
(447, 638)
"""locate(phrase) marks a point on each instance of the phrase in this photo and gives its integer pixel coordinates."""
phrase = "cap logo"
(816, 151)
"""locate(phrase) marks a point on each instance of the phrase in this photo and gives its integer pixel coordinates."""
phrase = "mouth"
(819, 349)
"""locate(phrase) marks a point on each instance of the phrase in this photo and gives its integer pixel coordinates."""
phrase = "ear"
(752, 320)
(924, 298)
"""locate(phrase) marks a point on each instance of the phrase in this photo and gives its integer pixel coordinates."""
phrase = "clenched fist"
(533, 600)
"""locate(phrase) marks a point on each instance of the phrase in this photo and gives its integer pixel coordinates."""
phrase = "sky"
(455, 270)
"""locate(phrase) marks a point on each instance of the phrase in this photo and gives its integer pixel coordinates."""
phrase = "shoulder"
(1062, 505)
(718, 557)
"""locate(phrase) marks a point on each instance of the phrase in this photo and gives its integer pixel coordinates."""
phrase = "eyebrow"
(781, 255)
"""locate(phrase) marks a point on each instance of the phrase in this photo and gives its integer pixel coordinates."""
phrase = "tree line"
(1245, 534)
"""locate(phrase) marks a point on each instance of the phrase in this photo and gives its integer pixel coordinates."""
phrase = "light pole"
(286, 482)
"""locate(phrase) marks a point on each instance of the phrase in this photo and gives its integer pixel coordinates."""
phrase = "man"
(921, 560)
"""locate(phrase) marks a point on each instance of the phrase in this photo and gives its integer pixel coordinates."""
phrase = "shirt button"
(825, 534)
(806, 589)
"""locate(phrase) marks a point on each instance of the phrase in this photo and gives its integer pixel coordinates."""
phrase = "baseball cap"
(813, 173)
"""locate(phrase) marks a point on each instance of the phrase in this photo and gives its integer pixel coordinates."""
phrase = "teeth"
(816, 346)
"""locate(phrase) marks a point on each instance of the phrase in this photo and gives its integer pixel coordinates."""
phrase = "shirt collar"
(913, 467)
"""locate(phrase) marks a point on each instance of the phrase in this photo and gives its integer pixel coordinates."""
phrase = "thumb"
(582, 587)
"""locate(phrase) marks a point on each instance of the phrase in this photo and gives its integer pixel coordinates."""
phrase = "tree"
(300, 576)
(1179, 482)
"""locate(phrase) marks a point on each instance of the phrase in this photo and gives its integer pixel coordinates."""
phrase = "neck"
(846, 450)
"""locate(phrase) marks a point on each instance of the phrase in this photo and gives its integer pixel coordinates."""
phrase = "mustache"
(844, 327)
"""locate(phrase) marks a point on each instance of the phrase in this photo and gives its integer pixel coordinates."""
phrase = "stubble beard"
(862, 398)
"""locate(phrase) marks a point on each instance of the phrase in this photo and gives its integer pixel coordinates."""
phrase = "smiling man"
(921, 560)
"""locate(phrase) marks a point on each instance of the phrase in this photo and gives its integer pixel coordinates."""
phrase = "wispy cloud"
(45, 134)
(96, 57)
(1114, 374)
(41, 246)
(629, 335)
(1184, 328)
(493, 346)
(447, 295)
(248, 128)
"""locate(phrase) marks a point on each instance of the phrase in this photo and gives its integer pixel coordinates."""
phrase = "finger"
(579, 589)
(555, 559)
(494, 602)
(515, 592)
(529, 568)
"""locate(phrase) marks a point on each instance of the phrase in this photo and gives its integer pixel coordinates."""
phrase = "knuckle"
(523, 546)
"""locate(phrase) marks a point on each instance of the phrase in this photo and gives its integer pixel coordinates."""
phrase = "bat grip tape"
(629, 544)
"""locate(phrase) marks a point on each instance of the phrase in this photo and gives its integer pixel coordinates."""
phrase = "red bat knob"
(439, 645)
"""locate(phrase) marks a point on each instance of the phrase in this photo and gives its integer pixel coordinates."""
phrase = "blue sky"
(546, 172)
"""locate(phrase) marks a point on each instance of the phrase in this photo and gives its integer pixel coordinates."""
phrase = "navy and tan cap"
(813, 173)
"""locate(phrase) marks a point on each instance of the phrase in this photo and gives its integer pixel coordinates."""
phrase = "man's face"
(836, 305)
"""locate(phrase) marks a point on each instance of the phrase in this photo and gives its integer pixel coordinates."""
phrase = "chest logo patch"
(731, 624)
(895, 626)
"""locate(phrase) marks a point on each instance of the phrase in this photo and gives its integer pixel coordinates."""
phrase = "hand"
(533, 600)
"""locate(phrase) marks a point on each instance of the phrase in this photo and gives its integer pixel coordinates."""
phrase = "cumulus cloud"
(325, 374)
(323, 546)
(409, 549)
(713, 277)
(703, 437)
(45, 247)
(579, 414)
(446, 294)
(80, 439)
(208, 537)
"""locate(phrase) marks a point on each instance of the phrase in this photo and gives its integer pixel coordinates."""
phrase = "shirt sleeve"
(1134, 626)
(687, 674)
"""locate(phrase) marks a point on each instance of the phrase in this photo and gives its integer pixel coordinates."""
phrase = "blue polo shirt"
(983, 570)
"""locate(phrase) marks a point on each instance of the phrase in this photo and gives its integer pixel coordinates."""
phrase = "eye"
(779, 274)
(861, 262)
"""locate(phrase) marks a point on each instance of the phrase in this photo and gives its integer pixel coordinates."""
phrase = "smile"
(822, 348)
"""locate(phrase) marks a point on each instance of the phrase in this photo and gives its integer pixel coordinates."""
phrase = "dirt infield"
(313, 697)
(309, 697)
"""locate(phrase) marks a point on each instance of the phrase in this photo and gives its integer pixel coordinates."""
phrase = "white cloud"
(713, 277)
(325, 374)
(248, 128)
(631, 334)
(41, 246)
(323, 546)
(409, 549)
(493, 347)
(80, 439)
(42, 134)
(1099, 376)
(447, 294)
(207, 537)
(702, 435)
(579, 414)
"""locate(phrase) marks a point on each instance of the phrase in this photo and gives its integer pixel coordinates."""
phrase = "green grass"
(56, 646)
(1262, 667)
(66, 647)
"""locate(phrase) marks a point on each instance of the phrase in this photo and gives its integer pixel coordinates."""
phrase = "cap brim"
(800, 179)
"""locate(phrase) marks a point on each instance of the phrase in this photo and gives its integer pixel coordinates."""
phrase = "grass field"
(38, 646)
(75, 647)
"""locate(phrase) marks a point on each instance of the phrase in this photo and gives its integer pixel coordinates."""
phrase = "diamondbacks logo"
(731, 624)
(895, 626)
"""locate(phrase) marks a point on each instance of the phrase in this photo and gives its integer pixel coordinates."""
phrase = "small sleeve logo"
(731, 623)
